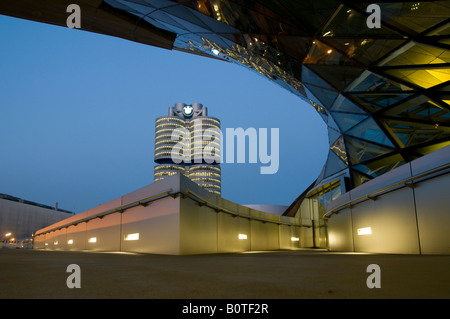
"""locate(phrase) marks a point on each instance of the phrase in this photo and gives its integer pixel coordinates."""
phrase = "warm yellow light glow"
(93, 240)
(70, 241)
(134, 236)
(242, 236)
(423, 78)
(415, 6)
(55, 243)
(329, 51)
(295, 239)
(364, 231)
(8, 234)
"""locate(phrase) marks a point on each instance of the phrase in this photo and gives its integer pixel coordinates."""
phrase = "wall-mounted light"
(242, 236)
(70, 241)
(92, 240)
(55, 243)
(134, 236)
(364, 231)
(295, 239)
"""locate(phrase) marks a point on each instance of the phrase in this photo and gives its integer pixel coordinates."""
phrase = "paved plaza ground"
(298, 274)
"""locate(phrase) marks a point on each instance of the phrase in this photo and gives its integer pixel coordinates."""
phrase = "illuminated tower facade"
(188, 141)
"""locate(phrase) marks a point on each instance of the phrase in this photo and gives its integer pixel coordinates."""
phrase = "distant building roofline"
(20, 200)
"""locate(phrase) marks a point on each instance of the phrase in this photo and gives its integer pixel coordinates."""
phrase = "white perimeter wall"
(171, 225)
(204, 229)
(157, 225)
(409, 220)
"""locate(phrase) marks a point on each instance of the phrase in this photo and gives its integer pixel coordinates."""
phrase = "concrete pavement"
(298, 274)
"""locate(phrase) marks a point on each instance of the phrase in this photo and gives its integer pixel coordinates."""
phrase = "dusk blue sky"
(78, 112)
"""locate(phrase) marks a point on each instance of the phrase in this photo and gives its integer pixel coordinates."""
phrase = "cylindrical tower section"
(171, 135)
(164, 170)
(189, 142)
(206, 140)
(207, 177)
